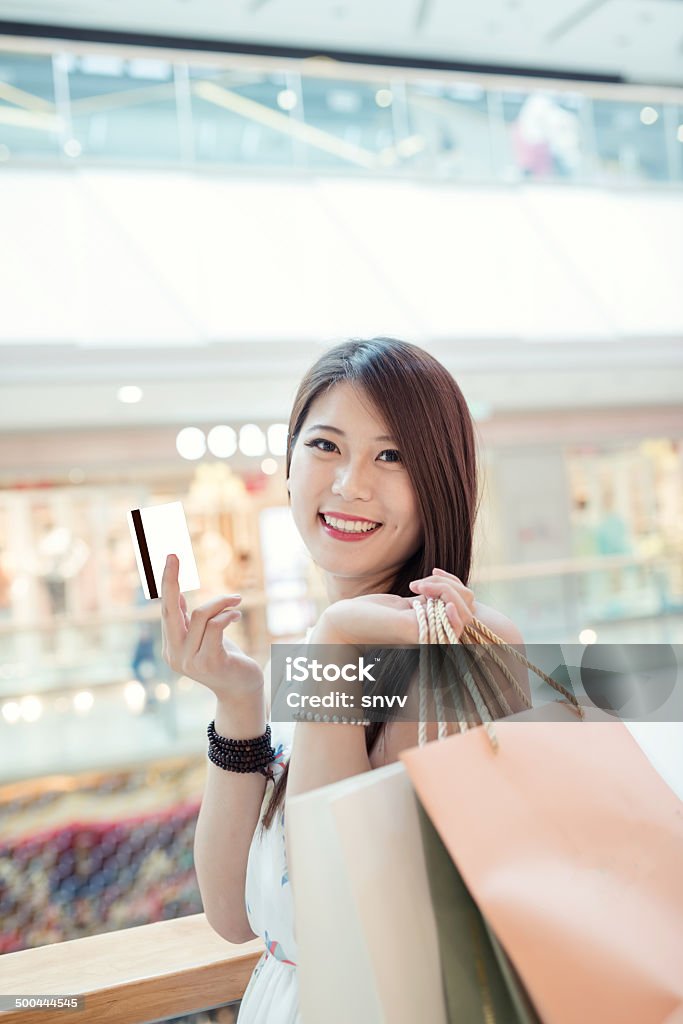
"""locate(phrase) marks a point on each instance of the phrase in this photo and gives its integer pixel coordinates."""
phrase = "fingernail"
(414, 585)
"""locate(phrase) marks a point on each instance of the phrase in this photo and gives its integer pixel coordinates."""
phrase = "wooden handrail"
(132, 976)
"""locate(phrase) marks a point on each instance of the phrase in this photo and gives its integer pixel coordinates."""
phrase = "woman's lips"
(346, 535)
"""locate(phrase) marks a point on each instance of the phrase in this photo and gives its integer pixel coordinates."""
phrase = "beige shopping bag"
(365, 927)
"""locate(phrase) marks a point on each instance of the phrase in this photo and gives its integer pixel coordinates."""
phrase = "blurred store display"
(80, 856)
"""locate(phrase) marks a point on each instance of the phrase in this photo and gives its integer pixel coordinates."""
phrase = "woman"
(380, 443)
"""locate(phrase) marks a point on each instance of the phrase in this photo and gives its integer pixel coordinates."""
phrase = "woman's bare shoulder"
(498, 623)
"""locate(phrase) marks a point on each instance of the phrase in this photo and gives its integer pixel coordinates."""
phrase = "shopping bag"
(364, 921)
(571, 845)
(480, 983)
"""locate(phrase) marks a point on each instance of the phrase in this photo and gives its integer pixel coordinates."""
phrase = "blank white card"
(158, 531)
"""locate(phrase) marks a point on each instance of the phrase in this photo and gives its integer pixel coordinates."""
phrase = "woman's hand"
(389, 619)
(368, 619)
(458, 598)
(194, 644)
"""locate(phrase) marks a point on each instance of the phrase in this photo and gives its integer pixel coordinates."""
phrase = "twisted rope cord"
(438, 697)
(478, 627)
(503, 668)
(433, 626)
(423, 639)
(492, 692)
(472, 686)
(453, 682)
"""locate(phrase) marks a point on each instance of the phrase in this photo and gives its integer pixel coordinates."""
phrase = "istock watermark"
(630, 682)
(303, 669)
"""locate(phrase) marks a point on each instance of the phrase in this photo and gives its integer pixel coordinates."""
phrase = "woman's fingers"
(183, 605)
(459, 609)
(173, 629)
(203, 615)
(211, 653)
(451, 584)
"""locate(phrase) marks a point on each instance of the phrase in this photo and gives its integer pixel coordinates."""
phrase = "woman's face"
(346, 469)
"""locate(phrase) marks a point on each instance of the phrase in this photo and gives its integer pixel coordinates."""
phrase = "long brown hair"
(425, 410)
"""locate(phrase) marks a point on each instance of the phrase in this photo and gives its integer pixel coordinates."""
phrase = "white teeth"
(350, 526)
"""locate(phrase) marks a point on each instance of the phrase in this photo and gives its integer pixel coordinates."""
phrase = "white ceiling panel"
(637, 39)
(132, 258)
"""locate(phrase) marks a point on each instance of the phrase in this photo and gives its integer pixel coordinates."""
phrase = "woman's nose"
(351, 484)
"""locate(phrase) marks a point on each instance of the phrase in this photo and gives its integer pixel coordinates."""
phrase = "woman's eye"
(395, 456)
(318, 441)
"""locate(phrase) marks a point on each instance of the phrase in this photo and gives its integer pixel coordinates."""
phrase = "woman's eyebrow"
(336, 430)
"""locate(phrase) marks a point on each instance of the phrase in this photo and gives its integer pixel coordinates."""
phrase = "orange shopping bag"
(571, 844)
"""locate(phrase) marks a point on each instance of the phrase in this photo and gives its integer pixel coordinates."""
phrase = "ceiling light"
(252, 440)
(134, 695)
(343, 101)
(269, 466)
(83, 701)
(587, 636)
(277, 438)
(152, 70)
(102, 64)
(162, 691)
(11, 712)
(222, 441)
(130, 393)
(383, 98)
(648, 115)
(31, 708)
(679, 133)
(72, 147)
(286, 99)
(190, 443)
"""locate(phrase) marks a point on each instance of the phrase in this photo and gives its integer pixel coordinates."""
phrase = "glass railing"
(73, 104)
(81, 692)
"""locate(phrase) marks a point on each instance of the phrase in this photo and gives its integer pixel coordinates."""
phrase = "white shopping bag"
(365, 928)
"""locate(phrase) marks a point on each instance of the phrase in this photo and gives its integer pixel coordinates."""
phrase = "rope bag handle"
(434, 628)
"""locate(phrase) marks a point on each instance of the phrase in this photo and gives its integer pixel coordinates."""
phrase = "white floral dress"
(272, 995)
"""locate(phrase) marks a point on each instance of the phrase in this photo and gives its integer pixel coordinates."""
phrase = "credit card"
(158, 531)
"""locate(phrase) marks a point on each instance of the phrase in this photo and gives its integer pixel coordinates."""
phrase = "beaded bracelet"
(250, 755)
(310, 716)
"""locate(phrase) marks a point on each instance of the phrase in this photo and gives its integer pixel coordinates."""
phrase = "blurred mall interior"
(195, 200)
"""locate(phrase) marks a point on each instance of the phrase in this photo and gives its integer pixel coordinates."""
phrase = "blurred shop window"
(240, 117)
(5, 586)
(352, 122)
(677, 163)
(453, 126)
(287, 569)
(121, 107)
(29, 123)
(59, 557)
(630, 139)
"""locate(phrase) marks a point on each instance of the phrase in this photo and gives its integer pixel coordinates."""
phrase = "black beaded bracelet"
(250, 755)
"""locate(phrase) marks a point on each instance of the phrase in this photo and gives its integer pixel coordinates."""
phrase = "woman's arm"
(227, 819)
(325, 752)
(196, 645)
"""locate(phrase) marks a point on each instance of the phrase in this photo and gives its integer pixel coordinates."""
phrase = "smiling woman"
(382, 479)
